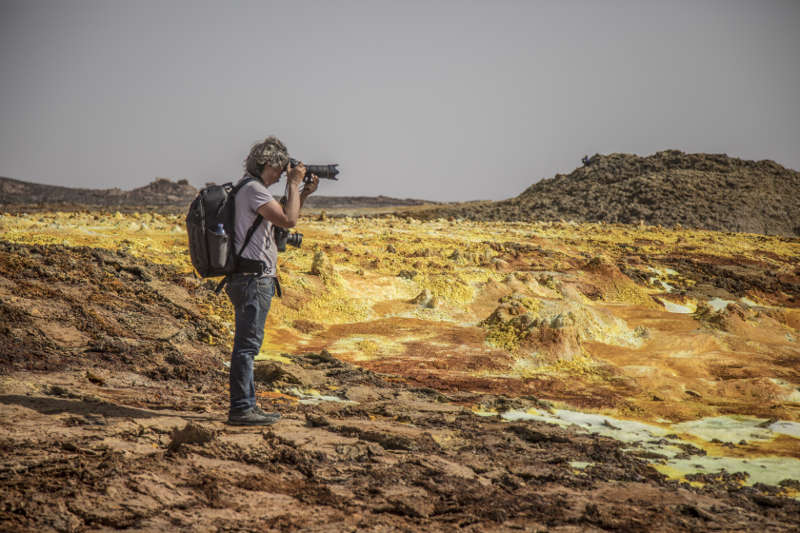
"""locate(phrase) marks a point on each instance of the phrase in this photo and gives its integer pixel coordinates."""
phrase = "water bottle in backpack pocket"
(218, 243)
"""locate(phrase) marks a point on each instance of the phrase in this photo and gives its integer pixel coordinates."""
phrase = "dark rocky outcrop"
(670, 188)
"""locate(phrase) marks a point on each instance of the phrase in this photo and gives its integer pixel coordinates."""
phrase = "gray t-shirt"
(262, 244)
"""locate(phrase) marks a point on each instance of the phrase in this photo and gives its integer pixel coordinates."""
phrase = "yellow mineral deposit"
(653, 330)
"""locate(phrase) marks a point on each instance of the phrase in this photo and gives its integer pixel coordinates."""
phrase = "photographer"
(251, 293)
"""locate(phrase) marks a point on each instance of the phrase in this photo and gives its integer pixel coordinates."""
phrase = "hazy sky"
(443, 100)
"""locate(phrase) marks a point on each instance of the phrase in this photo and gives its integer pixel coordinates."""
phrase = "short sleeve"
(258, 197)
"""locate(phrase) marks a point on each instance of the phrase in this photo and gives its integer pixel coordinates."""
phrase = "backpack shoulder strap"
(250, 231)
(256, 222)
(247, 237)
(242, 182)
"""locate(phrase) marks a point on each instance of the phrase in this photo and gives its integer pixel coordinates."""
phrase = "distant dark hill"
(353, 202)
(162, 194)
(710, 191)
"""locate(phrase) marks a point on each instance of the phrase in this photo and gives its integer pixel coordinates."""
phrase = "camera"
(284, 237)
(327, 172)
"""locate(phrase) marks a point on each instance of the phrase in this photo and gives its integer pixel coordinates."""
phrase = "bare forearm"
(292, 207)
(303, 197)
(308, 188)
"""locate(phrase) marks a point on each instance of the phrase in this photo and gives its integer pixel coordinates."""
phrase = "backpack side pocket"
(218, 249)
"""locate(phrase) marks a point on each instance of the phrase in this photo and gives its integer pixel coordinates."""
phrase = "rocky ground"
(98, 449)
(669, 188)
(113, 384)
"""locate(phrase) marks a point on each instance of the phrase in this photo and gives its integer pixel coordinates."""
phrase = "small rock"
(767, 423)
(269, 372)
(499, 264)
(323, 357)
(413, 506)
(316, 421)
(768, 501)
(557, 322)
(94, 378)
(407, 274)
(58, 390)
(321, 264)
(425, 299)
(191, 434)
(307, 326)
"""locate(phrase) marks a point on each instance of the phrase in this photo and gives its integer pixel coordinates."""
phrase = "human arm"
(286, 215)
(308, 189)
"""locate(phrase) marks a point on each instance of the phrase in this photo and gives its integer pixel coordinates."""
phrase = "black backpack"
(211, 228)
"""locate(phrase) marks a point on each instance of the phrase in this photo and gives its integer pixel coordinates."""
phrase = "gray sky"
(447, 100)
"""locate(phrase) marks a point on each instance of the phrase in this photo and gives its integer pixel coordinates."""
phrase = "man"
(251, 293)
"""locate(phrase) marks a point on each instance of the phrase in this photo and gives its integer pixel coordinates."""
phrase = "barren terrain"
(669, 188)
(431, 375)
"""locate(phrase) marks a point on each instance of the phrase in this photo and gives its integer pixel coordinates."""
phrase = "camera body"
(284, 237)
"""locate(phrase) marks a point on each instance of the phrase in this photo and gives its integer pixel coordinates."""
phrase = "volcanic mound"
(669, 188)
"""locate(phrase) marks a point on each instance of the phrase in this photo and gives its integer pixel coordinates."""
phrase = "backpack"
(211, 227)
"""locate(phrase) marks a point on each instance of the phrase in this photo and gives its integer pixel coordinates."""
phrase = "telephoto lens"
(327, 172)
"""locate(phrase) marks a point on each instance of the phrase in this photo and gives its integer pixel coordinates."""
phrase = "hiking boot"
(251, 417)
(276, 416)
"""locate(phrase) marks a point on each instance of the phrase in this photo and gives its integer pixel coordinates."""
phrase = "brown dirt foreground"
(127, 432)
(84, 456)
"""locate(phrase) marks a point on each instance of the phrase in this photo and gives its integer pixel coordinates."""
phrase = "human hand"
(295, 174)
(311, 186)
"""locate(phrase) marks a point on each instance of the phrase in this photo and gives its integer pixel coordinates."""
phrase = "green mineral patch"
(662, 441)
(738, 428)
(718, 304)
(313, 397)
(681, 308)
(767, 470)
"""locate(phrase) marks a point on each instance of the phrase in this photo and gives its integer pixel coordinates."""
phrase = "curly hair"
(270, 152)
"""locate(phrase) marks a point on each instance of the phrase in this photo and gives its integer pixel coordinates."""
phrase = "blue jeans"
(251, 297)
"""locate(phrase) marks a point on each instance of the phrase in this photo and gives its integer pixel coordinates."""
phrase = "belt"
(251, 267)
(275, 280)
